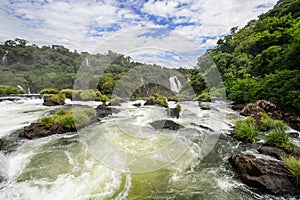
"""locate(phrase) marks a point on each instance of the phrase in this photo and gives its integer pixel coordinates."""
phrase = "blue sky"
(173, 33)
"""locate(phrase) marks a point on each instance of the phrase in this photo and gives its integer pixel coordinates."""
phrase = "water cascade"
(175, 84)
(87, 62)
(4, 59)
(96, 162)
(20, 87)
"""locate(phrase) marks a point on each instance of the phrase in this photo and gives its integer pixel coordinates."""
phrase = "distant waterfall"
(87, 62)
(4, 59)
(20, 87)
(175, 84)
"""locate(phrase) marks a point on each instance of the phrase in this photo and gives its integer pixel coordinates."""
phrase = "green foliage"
(6, 89)
(159, 100)
(173, 98)
(205, 97)
(69, 119)
(102, 97)
(58, 98)
(178, 107)
(49, 91)
(162, 101)
(280, 139)
(241, 90)
(267, 123)
(293, 165)
(69, 93)
(261, 60)
(246, 130)
(81, 119)
(87, 95)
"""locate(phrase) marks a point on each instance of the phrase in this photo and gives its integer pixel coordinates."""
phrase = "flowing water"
(123, 157)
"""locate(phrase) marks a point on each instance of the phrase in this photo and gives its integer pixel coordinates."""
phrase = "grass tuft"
(280, 139)
(246, 129)
(293, 166)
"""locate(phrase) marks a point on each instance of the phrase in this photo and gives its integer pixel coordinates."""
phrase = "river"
(123, 157)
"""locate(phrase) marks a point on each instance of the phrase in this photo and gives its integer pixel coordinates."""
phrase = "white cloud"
(86, 25)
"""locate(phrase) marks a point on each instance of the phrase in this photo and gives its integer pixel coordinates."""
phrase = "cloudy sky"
(171, 32)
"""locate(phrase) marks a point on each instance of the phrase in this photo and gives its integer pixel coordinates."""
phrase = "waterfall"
(20, 87)
(175, 84)
(87, 61)
(28, 90)
(4, 59)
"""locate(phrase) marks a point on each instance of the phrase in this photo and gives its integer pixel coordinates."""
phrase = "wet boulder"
(137, 104)
(53, 101)
(103, 110)
(293, 120)
(238, 106)
(150, 102)
(203, 127)
(253, 109)
(173, 112)
(268, 176)
(166, 124)
(272, 151)
(37, 130)
(278, 152)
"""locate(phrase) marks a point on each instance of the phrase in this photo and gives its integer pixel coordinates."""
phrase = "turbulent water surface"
(123, 157)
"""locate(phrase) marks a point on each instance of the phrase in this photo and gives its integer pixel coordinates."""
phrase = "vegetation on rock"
(246, 129)
(69, 119)
(293, 166)
(267, 123)
(280, 139)
(6, 89)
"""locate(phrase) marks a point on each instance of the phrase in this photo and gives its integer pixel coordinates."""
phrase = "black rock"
(37, 130)
(173, 112)
(272, 151)
(268, 176)
(137, 104)
(103, 110)
(166, 124)
(238, 106)
(203, 127)
(150, 102)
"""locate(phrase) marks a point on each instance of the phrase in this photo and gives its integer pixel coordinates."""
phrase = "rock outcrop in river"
(269, 176)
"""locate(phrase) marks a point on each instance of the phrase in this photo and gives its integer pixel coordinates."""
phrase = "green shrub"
(173, 98)
(81, 119)
(69, 93)
(246, 129)
(267, 123)
(162, 101)
(69, 119)
(280, 139)
(58, 98)
(178, 107)
(86, 95)
(101, 97)
(49, 91)
(293, 165)
(6, 89)
(205, 97)
(46, 121)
